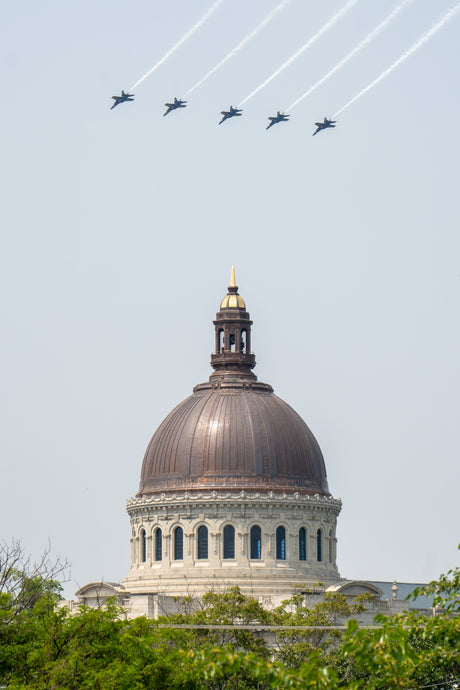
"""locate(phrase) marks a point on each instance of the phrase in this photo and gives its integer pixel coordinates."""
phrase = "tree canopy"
(43, 646)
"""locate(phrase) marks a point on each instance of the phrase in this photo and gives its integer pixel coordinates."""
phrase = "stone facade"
(297, 543)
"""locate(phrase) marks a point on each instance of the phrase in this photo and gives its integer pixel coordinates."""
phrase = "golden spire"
(232, 299)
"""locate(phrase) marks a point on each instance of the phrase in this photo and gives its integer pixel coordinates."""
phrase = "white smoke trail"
(240, 45)
(368, 39)
(418, 44)
(177, 45)
(333, 20)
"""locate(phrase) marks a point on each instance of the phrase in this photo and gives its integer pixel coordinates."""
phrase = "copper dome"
(241, 436)
(233, 432)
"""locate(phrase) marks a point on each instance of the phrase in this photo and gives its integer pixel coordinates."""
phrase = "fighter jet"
(324, 125)
(172, 106)
(279, 117)
(233, 112)
(121, 99)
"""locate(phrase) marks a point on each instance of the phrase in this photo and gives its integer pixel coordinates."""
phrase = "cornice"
(234, 498)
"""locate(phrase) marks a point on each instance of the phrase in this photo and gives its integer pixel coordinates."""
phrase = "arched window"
(280, 544)
(143, 545)
(243, 341)
(229, 541)
(319, 546)
(178, 544)
(202, 542)
(158, 544)
(256, 542)
(302, 544)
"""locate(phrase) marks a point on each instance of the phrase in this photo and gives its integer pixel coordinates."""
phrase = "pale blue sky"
(120, 227)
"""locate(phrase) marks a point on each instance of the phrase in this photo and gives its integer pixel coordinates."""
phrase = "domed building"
(233, 488)
(233, 491)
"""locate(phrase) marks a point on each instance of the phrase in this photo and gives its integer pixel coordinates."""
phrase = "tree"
(45, 647)
(23, 582)
(226, 608)
(408, 649)
(295, 647)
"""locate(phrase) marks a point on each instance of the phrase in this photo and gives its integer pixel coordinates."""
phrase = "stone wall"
(273, 575)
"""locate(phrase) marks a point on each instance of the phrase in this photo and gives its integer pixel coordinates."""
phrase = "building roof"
(233, 432)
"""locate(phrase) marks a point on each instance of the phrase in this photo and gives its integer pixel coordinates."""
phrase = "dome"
(233, 432)
(241, 436)
(232, 302)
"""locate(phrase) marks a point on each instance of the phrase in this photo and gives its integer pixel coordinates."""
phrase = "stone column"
(189, 547)
(167, 549)
(243, 543)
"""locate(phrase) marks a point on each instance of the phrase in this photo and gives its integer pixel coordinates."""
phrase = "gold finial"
(232, 299)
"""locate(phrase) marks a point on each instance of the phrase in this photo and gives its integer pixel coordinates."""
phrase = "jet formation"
(233, 112)
(324, 125)
(173, 106)
(121, 99)
(279, 117)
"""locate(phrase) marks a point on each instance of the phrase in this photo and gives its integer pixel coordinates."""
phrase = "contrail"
(177, 45)
(424, 38)
(240, 45)
(369, 38)
(305, 47)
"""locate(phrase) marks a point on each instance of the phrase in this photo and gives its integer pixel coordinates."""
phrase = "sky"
(120, 227)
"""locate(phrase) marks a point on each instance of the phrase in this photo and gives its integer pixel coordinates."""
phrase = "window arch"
(243, 341)
(229, 541)
(143, 545)
(302, 544)
(319, 545)
(202, 542)
(256, 542)
(178, 544)
(158, 544)
(280, 544)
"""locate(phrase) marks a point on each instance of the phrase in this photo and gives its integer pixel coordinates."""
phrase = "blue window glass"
(143, 545)
(158, 545)
(256, 542)
(319, 546)
(202, 542)
(302, 544)
(178, 544)
(280, 544)
(229, 541)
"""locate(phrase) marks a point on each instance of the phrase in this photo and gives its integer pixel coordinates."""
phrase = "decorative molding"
(239, 498)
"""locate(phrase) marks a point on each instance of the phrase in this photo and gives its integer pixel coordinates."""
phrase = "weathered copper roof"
(233, 432)
(241, 436)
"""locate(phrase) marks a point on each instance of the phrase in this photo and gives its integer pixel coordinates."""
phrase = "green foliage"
(408, 649)
(295, 647)
(228, 608)
(23, 584)
(221, 668)
(44, 647)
